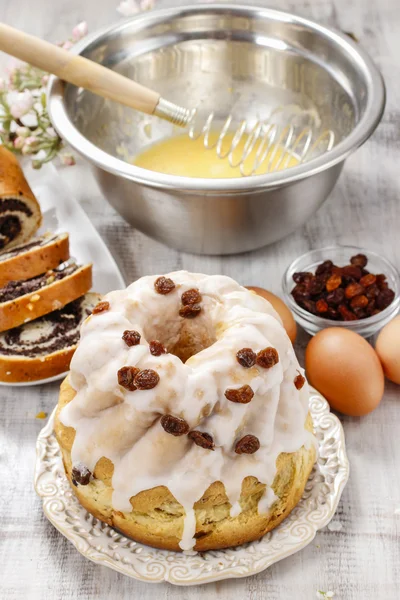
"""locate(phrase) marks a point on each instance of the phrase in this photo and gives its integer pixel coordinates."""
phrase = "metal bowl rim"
(362, 131)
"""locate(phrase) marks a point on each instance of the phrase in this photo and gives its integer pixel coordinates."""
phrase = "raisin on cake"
(44, 347)
(20, 215)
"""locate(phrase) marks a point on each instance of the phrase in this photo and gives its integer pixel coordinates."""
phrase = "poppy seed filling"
(55, 331)
(10, 225)
(36, 243)
(16, 289)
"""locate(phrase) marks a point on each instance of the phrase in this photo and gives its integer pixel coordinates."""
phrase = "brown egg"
(388, 349)
(283, 311)
(346, 370)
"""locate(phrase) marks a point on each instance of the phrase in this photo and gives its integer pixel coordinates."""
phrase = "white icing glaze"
(125, 426)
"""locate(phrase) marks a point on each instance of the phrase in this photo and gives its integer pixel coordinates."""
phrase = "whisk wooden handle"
(77, 70)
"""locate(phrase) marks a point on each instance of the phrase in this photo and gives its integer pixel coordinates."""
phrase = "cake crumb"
(335, 526)
(35, 298)
(41, 415)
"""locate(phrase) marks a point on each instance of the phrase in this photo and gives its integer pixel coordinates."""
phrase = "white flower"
(127, 8)
(31, 140)
(19, 142)
(20, 103)
(29, 144)
(23, 131)
(67, 45)
(13, 63)
(79, 31)
(67, 159)
(2, 84)
(146, 4)
(50, 131)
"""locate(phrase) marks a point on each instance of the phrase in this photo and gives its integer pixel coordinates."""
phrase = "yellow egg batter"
(189, 158)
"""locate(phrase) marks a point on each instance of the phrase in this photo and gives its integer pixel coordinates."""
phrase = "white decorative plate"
(102, 544)
(62, 213)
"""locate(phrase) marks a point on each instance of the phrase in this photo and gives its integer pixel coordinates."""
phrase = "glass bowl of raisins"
(342, 286)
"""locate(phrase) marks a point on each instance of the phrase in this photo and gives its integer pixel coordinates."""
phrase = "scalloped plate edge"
(233, 573)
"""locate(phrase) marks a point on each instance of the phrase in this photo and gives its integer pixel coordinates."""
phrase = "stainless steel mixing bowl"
(240, 59)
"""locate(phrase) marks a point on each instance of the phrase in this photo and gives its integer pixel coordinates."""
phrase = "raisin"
(164, 285)
(347, 281)
(246, 357)
(174, 425)
(242, 395)
(126, 376)
(247, 445)
(371, 306)
(146, 379)
(321, 306)
(309, 305)
(353, 272)
(156, 348)
(267, 358)
(316, 286)
(336, 297)
(80, 474)
(300, 292)
(384, 299)
(190, 311)
(354, 289)
(381, 280)
(359, 302)
(200, 438)
(342, 293)
(299, 381)
(324, 277)
(131, 338)
(372, 291)
(346, 313)
(101, 307)
(368, 280)
(360, 260)
(332, 314)
(302, 277)
(192, 296)
(325, 267)
(333, 282)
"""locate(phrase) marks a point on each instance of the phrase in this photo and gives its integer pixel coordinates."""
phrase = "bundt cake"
(184, 420)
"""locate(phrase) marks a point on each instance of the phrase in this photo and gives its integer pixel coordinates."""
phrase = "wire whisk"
(289, 135)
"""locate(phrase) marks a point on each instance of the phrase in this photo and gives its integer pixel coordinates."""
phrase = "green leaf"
(6, 124)
(43, 100)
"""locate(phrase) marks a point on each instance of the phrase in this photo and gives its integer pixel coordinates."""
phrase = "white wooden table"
(362, 560)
